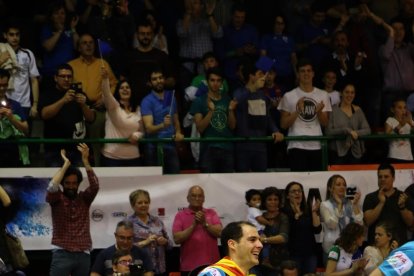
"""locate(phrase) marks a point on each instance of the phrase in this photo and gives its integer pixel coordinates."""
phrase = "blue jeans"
(249, 160)
(69, 263)
(216, 160)
(171, 160)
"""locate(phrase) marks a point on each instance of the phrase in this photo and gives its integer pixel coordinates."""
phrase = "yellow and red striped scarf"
(229, 267)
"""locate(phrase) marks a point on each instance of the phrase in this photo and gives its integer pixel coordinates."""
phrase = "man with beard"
(124, 235)
(388, 204)
(347, 66)
(159, 113)
(139, 62)
(242, 245)
(71, 239)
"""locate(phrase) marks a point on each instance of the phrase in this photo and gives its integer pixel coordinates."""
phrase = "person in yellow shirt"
(87, 71)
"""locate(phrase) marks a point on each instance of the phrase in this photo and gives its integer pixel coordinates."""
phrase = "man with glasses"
(64, 111)
(196, 229)
(124, 235)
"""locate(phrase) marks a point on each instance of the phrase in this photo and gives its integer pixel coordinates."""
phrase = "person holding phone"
(337, 211)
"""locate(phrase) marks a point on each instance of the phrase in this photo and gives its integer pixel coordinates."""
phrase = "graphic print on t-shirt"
(219, 119)
(309, 110)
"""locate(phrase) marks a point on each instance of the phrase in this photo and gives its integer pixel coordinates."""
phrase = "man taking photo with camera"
(64, 110)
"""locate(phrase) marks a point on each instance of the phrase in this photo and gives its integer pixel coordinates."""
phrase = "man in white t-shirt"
(304, 111)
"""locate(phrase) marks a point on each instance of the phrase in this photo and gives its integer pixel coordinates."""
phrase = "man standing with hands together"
(196, 229)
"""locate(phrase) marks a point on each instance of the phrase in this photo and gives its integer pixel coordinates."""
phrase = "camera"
(136, 270)
(77, 87)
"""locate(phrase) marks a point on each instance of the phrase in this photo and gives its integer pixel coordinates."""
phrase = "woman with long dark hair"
(304, 224)
(123, 120)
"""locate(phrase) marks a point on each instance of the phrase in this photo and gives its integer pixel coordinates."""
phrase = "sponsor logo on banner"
(119, 214)
(97, 215)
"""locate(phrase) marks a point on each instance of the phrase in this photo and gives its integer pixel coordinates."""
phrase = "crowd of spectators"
(331, 67)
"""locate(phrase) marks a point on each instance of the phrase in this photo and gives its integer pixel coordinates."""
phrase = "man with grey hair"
(124, 236)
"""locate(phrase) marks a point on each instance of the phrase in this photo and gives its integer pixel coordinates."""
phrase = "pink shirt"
(201, 247)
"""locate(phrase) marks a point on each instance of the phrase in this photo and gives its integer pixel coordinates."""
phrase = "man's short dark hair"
(239, 7)
(73, 171)
(248, 69)
(209, 55)
(12, 23)
(143, 23)
(214, 71)
(119, 254)
(233, 231)
(155, 69)
(63, 66)
(4, 73)
(387, 166)
(250, 193)
(303, 62)
(289, 265)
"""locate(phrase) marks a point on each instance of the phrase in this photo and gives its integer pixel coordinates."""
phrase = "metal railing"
(160, 141)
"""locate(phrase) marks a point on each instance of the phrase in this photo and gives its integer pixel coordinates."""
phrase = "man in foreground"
(242, 245)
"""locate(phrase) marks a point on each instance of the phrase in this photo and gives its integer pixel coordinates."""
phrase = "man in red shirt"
(70, 217)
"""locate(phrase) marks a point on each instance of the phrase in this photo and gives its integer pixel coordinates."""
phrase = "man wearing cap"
(304, 111)
(253, 117)
(214, 117)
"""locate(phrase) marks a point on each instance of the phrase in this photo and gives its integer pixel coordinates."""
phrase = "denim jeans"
(70, 263)
(216, 160)
(249, 160)
(171, 160)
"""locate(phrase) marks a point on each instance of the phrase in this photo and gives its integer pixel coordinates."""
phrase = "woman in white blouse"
(337, 210)
(384, 243)
(123, 120)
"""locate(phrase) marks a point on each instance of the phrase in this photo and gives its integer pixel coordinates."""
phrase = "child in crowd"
(401, 122)
(329, 81)
(255, 216)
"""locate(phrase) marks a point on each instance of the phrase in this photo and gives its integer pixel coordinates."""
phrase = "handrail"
(160, 141)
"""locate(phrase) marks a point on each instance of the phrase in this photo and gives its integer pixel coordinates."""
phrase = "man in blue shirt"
(159, 113)
(253, 118)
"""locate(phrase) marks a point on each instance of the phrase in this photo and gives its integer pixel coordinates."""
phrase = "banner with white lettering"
(30, 218)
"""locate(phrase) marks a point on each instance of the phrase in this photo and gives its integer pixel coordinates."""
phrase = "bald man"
(196, 229)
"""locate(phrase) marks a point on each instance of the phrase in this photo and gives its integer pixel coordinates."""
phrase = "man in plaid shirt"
(70, 216)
